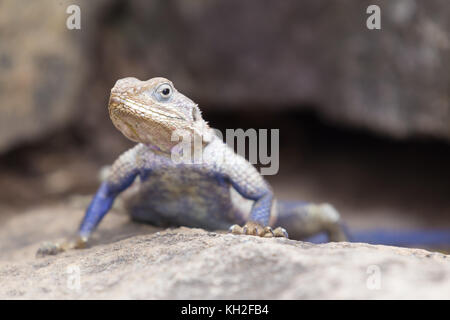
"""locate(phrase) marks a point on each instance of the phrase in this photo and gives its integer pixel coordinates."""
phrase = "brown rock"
(42, 68)
(130, 261)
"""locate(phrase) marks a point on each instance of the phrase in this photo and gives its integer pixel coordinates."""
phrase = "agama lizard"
(211, 194)
(222, 191)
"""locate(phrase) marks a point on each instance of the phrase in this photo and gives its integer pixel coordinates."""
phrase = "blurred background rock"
(364, 115)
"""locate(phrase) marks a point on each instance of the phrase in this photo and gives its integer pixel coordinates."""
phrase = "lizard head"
(151, 111)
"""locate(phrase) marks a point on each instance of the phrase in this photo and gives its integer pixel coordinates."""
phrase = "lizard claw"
(255, 229)
(49, 249)
(280, 232)
(54, 248)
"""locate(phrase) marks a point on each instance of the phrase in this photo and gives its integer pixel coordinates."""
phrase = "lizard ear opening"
(201, 126)
(196, 114)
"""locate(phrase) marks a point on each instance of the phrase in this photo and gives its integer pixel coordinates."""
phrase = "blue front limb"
(101, 204)
(263, 202)
(261, 209)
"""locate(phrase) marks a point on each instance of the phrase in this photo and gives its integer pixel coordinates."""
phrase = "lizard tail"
(322, 223)
(407, 238)
(421, 238)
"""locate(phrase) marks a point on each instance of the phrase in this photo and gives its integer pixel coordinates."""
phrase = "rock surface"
(41, 70)
(134, 261)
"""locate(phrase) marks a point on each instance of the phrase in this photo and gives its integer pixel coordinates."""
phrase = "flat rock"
(133, 261)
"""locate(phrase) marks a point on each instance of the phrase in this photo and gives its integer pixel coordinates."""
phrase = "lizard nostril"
(114, 99)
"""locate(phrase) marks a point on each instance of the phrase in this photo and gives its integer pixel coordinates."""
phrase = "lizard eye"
(165, 91)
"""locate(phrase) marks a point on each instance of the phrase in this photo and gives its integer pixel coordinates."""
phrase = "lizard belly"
(186, 197)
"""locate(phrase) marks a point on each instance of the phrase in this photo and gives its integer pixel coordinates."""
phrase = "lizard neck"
(154, 148)
(179, 147)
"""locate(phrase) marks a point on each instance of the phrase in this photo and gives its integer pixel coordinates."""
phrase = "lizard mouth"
(139, 109)
(139, 123)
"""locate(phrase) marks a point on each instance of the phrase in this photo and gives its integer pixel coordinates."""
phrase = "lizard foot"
(255, 229)
(53, 248)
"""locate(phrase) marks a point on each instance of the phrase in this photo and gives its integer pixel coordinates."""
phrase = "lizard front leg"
(259, 220)
(121, 176)
(247, 181)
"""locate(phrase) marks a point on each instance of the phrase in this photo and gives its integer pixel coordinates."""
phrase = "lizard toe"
(53, 248)
(255, 229)
(235, 229)
(280, 232)
(48, 249)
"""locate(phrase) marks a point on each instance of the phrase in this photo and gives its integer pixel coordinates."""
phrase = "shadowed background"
(364, 116)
